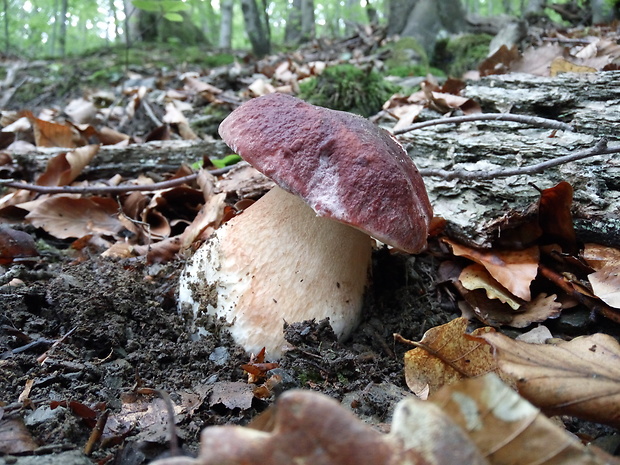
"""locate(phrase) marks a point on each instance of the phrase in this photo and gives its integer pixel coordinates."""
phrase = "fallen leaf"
(65, 217)
(508, 429)
(605, 281)
(476, 276)
(580, 377)
(65, 167)
(555, 217)
(50, 134)
(513, 269)
(232, 395)
(15, 437)
(560, 65)
(446, 355)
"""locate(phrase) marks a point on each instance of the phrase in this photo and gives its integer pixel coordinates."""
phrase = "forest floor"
(82, 334)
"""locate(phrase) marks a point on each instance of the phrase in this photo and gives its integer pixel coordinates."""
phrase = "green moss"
(348, 88)
(461, 54)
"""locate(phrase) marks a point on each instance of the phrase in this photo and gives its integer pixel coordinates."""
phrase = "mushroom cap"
(342, 165)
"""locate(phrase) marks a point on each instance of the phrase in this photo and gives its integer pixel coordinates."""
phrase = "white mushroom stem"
(278, 262)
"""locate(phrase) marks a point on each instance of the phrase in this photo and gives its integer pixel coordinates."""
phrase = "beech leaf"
(580, 377)
(508, 429)
(513, 269)
(605, 281)
(446, 355)
(65, 217)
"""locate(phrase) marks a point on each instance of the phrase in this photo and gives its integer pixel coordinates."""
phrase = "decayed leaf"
(446, 355)
(476, 276)
(508, 429)
(65, 217)
(605, 281)
(65, 167)
(513, 269)
(15, 437)
(560, 65)
(49, 134)
(555, 217)
(580, 377)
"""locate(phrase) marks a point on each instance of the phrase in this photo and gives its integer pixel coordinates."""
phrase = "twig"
(531, 120)
(599, 149)
(109, 189)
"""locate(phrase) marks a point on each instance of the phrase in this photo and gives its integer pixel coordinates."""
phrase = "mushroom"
(303, 250)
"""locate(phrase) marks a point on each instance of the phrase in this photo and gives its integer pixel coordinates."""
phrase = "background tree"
(256, 27)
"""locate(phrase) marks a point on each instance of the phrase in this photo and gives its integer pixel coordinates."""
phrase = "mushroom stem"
(278, 262)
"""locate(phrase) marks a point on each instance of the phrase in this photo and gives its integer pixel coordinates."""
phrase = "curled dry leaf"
(513, 269)
(605, 281)
(580, 377)
(49, 134)
(311, 428)
(446, 355)
(65, 167)
(508, 429)
(65, 217)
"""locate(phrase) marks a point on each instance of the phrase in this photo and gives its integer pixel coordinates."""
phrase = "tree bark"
(292, 32)
(226, 24)
(62, 32)
(307, 20)
(256, 28)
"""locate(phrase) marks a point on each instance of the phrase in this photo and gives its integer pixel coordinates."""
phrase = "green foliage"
(463, 53)
(226, 161)
(348, 88)
(168, 9)
(405, 51)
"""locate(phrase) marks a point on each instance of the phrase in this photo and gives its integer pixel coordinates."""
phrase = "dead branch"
(525, 119)
(110, 189)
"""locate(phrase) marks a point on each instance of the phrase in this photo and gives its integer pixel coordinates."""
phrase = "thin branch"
(109, 189)
(531, 120)
(599, 149)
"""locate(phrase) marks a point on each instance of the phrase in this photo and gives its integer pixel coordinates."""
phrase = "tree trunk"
(131, 23)
(602, 11)
(226, 12)
(62, 32)
(307, 20)
(292, 32)
(424, 19)
(255, 28)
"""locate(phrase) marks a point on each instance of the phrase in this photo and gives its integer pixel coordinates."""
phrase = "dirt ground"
(125, 334)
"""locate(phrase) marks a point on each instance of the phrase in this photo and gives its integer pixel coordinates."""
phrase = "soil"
(120, 333)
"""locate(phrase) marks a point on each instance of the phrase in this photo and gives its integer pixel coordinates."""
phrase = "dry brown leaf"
(605, 281)
(15, 437)
(508, 429)
(555, 217)
(477, 276)
(306, 428)
(580, 377)
(560, 65)
(446, 355)
(210, 215)
(16, 246)
(49, 134)
(65, 217)
(513, 269)
(65, 167)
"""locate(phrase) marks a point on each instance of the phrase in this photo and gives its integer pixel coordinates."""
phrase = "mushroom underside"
(275, 263)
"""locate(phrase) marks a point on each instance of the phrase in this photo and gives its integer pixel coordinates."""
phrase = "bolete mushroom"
(303, 250)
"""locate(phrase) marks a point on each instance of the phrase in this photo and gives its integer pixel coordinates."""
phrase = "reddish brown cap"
(342, 165)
